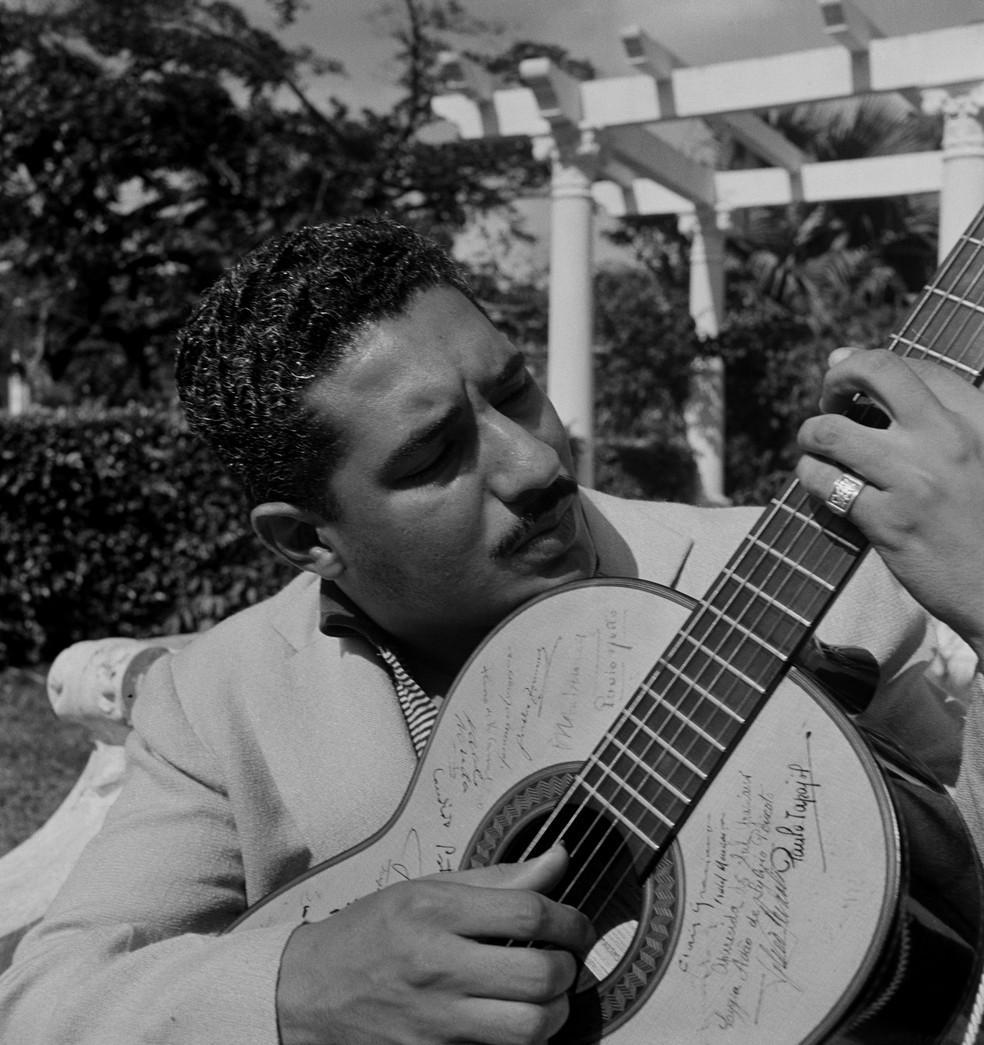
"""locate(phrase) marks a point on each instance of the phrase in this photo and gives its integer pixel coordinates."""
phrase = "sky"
(699, 31)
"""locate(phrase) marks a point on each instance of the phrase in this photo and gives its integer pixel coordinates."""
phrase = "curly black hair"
(284, 316)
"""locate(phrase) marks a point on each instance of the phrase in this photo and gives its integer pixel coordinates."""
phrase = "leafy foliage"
(148, 144)
(829, 261)
(117, 523)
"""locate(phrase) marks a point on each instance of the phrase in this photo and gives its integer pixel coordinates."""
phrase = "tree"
(835, 262)
(147, 144)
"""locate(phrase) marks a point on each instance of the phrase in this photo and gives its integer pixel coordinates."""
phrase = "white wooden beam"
(557, 93)
(938, 58)
(467, 82)
(844, 22)
(874, 177)
(650, 57)
(626, 153)
(647, 54)
(459, 73)
(650, 156)
(465, 113)
(849, 26)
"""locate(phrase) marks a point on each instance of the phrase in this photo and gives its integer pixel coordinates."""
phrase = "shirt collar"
(340, 617)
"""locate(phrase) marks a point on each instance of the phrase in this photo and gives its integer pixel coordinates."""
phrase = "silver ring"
(844, 493)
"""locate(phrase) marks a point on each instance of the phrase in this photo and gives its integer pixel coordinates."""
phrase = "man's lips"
(544, 524)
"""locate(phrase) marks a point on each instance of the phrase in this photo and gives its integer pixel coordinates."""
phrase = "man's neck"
(434, 681)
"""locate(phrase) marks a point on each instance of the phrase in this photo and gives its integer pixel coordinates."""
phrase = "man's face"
(455, 493)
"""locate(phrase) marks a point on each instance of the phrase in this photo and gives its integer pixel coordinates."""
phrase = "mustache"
(536, 507)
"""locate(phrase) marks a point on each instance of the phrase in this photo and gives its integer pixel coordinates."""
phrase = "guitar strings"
(950, 317)
(725, 690)
(646, 689)
(955, 336)
(972, 309)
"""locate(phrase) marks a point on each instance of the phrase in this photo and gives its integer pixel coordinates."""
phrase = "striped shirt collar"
(340, 617)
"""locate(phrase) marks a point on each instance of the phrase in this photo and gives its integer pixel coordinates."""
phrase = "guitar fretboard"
(736, 645)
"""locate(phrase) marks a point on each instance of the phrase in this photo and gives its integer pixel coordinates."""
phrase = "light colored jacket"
(264, 747)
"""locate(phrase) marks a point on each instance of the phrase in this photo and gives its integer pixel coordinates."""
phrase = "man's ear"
(297, 535)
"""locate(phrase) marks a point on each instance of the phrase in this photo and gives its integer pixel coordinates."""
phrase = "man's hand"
(923, 505)
(413, 963)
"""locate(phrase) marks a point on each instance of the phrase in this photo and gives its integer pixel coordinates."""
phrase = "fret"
(703, 734)
(714, 632)
(746, 656)
(773, 527)
(626, 795)
(644, 838)
(967, 283)
(961, 269)
(680, 693)
(648, 770)
(780, 625)
(796, 567)
(797, 596)
(945, 326)
(956, 300)
(667, 747)
(775, 569)
(759, 593)
(688, 678)
(800, 516)
(719, 672)
(928, 353)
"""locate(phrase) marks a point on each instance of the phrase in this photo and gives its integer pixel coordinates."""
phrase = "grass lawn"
(40, 756)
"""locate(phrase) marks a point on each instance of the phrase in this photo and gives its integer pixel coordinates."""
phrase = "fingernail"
(839, 355)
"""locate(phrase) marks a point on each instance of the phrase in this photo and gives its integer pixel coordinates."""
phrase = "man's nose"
(519, 461)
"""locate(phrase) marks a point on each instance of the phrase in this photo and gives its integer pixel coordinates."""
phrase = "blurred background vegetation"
(147, 144)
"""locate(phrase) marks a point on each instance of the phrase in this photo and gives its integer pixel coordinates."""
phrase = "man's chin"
(576, 565)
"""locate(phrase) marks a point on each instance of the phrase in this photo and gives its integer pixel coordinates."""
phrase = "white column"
(18, 394)
(962, 193)
(704, 413)
(570, 361)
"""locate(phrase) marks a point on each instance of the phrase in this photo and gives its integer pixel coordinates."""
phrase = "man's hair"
(285, 316)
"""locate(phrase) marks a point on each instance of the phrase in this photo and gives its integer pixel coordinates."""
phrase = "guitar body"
(816, 892)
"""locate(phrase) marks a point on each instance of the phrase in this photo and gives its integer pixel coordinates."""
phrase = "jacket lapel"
(632, 541)
(338, 747)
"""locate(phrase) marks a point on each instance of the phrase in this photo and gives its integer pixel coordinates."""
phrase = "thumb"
(540, 873)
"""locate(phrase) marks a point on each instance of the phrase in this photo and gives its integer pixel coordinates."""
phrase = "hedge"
(121, 523)
(117, 523)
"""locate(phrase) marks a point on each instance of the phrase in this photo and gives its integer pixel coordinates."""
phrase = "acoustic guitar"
(760, 870)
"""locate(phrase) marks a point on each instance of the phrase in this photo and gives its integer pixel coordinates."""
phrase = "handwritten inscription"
(740, 937)
(531, 697)
(408, 863)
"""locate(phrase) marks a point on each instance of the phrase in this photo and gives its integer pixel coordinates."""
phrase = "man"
(395, 449)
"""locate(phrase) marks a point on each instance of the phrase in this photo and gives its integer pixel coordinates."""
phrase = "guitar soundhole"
(633, 911)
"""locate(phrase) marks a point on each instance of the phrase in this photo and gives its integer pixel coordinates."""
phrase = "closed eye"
(519, 392)
(433, 467)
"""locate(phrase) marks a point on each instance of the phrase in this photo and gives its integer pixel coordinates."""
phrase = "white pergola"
(603, 139)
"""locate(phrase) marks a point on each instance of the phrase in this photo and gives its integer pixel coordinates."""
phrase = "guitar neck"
(737, 643)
